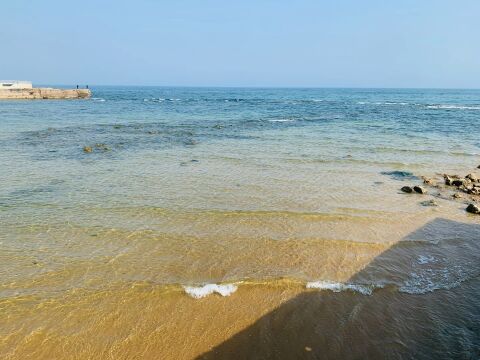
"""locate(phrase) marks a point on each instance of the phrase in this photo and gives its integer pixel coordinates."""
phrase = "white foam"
(98, 99)
(427, 280)
(460, 107)
(281, 120)
(337, 287)
(391, 103)
(154, 99)
(202, 291)
(425, 259)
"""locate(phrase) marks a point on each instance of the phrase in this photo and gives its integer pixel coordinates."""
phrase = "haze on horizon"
(345, 43)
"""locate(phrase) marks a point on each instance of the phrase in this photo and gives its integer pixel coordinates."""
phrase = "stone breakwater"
(45, 93)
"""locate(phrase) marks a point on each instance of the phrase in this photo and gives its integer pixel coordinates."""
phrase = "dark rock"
(87, 149)
(458, 183)
(407, 189)
(419, 190)
(473, 209)
(449, 179)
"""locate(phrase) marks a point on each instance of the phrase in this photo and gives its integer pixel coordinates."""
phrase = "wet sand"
(274, 319)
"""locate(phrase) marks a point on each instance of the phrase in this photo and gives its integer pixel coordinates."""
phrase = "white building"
(15, 84)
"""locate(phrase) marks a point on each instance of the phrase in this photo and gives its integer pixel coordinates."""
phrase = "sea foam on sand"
(337, 287)
(202, 291)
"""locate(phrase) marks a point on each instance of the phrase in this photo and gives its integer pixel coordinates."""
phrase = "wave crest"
(198, 292)
(337, 287)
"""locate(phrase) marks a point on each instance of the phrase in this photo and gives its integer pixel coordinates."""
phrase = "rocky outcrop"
(458, 188)
(44, 93)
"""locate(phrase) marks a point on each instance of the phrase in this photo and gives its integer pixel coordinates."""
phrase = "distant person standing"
(77, 87)
(87, 86)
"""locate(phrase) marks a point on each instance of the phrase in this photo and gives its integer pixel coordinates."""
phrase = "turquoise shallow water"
(225, 170)
(251, 128)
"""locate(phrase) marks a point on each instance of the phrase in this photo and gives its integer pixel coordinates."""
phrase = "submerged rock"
(429, 203)
(419, 190)
(400, 175)
(102, 147)
(473, 209)
(87, 149)
(190, 142)
(407, 189)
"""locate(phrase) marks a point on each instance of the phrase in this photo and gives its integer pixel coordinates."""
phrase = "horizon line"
(268, 87)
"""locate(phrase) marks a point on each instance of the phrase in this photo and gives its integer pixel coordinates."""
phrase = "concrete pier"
(44, 93)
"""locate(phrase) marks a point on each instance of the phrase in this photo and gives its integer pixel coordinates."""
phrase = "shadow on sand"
(429, 308)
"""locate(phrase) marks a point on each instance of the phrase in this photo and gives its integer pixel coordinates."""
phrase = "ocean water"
(249, 197)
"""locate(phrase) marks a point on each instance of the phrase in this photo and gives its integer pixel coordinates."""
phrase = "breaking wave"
(208, 289)
(337, 287)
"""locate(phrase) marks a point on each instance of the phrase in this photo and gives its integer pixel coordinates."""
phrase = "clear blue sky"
(320, 43)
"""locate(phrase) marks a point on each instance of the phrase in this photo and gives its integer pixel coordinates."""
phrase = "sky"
(270, 43)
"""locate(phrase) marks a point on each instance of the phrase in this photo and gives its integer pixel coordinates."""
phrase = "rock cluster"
(470, 184)
(466, 189)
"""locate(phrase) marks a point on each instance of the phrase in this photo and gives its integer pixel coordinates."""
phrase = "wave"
(383, 103)
(208, 289)
(337, 287)
(428, 106)
(160, 99)
(98, 99)
(281, 120)
(453, 107)
(420, 282)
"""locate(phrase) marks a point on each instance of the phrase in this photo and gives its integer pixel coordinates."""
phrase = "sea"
(239, 223)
